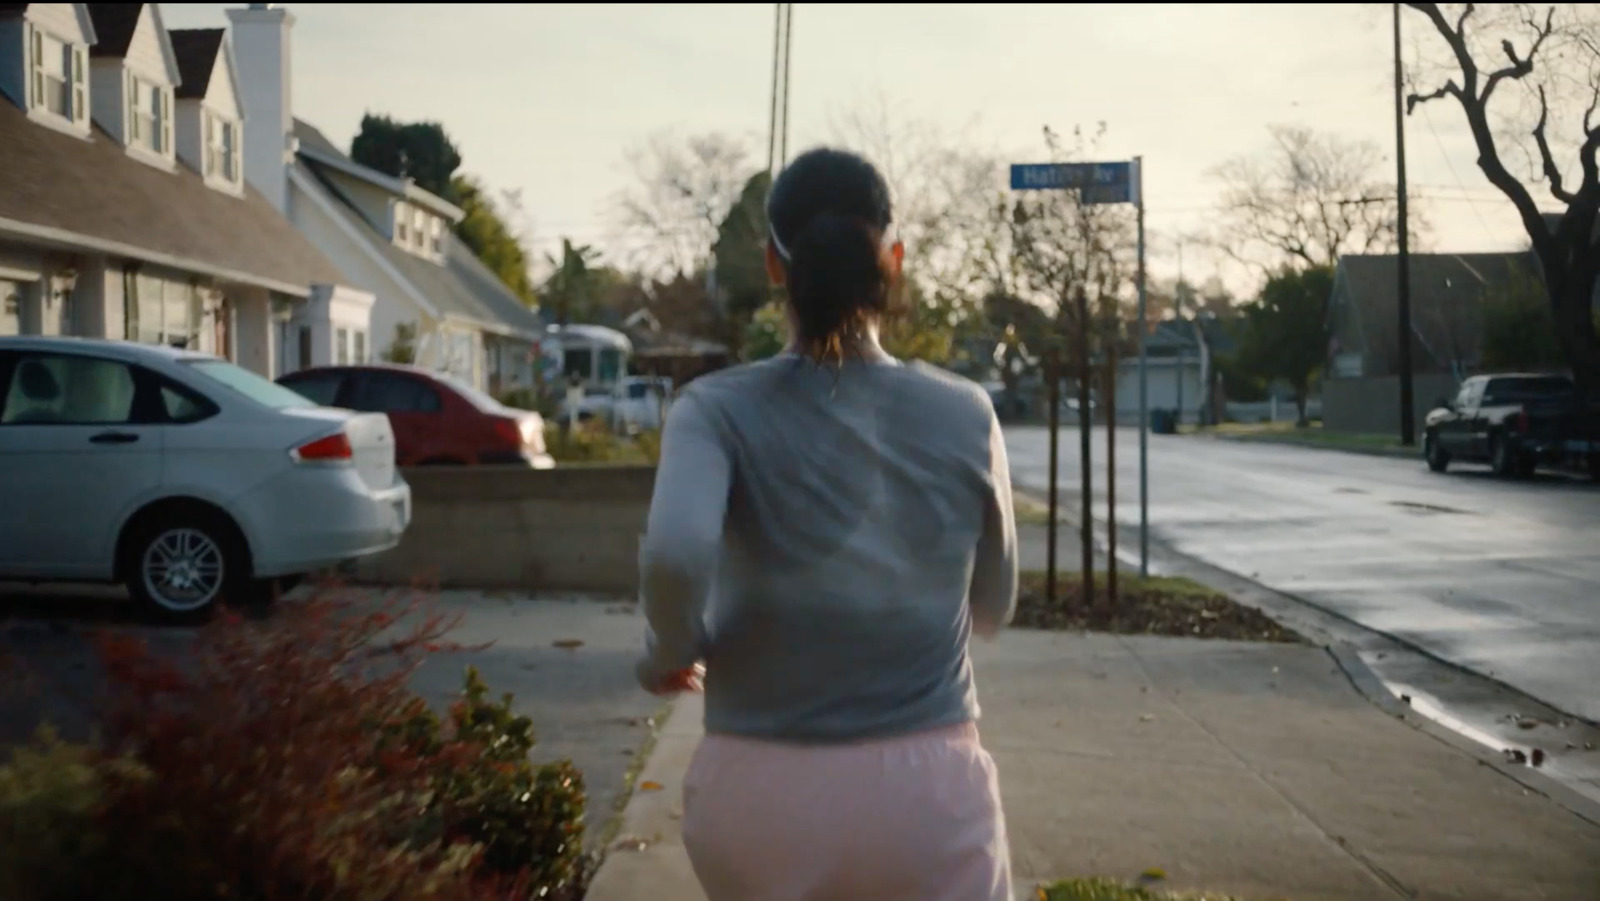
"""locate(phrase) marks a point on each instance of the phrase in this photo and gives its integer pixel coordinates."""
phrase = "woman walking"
(829, 527)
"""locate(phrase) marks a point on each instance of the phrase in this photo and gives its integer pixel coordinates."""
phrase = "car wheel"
(1502, 458)
(180, 568)
(1438, 459)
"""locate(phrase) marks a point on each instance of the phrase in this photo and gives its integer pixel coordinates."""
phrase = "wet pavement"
(1501, 578)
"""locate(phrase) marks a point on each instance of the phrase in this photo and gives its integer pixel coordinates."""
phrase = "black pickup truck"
(1516, 424)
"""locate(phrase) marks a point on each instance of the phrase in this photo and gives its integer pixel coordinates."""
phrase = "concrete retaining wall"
(572, 528)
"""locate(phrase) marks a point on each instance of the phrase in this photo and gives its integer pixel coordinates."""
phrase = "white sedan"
(180, 475)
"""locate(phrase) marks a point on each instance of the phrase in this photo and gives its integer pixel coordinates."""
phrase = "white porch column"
(254, 340)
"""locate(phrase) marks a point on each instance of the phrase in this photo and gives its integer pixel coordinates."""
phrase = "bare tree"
(1064, 247)
(1060, 243)
(1549, 51)
(1312, 198)
(949, 199)
(683, 189)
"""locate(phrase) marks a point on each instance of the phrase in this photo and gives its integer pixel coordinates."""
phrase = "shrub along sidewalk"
(289, 759)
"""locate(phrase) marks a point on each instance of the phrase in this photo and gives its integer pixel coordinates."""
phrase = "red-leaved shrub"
(288, 759)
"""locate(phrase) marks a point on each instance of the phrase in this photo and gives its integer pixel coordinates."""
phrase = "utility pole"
(1408, 425)
(778, 114)
(772, 117)
(788, 43)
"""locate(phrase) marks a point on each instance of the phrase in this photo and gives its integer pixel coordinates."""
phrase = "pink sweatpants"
(910, 818)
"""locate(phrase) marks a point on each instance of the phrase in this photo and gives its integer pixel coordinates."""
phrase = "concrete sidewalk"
(1251, 769)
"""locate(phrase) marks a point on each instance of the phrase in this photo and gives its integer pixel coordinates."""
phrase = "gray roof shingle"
(462, 286)
(94, 188)
(312, 138)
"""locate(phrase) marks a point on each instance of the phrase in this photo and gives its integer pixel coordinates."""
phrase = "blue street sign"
(1099, 182)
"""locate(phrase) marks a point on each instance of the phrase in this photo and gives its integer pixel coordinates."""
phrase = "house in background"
(1361, 385)
(1179, 359)
(384, 234)
(112, 222)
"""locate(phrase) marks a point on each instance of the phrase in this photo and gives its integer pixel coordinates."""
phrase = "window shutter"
(80, 83)
(38, 67)
(130, 96)
(166, 121)
(130, 305)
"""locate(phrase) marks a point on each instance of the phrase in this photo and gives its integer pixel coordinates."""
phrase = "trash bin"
(1162, 422)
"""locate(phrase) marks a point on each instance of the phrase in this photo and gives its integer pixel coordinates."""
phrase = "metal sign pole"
(1099, 183)
(1144, 382)
(1052, 374)
(1085, 448)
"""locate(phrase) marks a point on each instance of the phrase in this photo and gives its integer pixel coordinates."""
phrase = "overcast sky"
(549, 98)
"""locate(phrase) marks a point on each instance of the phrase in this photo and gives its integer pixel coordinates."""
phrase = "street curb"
(649, 851)
(1128, 537)
(1367, 683)
(1393, 453)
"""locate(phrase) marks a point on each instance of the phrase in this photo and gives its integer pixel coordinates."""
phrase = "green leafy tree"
(573, 288)
(739, 256)
(920, 329)
(420, 151)
(490, 239)
(1285, 334)
(767, 333)
(423, 152)
(403, 347)
(1519, 331)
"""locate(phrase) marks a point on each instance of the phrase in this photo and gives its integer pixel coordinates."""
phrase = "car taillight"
(508, 431)
(332, 448)
(1520, 423)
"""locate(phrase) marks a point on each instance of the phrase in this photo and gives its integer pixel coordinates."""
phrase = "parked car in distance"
(438, 420)
(181, 475)
(1514, 423)
(639, 402)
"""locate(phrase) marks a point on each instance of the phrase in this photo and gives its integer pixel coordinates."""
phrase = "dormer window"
(402, 224)
(222, 148)
(149, 116)
(436, 236)
(60, 89)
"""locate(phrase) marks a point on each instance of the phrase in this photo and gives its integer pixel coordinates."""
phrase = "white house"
(385, 234)
(122, 213)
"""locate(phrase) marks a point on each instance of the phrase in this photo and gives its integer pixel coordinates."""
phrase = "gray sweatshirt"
(826, 540)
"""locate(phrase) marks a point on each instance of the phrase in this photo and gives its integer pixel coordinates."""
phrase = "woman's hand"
(691, 679)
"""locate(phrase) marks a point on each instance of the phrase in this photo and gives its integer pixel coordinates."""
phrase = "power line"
(1428, 118)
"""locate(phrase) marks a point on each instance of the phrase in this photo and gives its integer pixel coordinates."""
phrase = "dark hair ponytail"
(828, 213)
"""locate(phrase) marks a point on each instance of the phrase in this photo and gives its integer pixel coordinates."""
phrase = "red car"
(438, 420)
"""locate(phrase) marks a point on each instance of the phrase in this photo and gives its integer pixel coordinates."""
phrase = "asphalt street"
(1502, 578)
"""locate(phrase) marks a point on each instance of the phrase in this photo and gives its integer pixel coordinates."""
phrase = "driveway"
(1502, 578)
